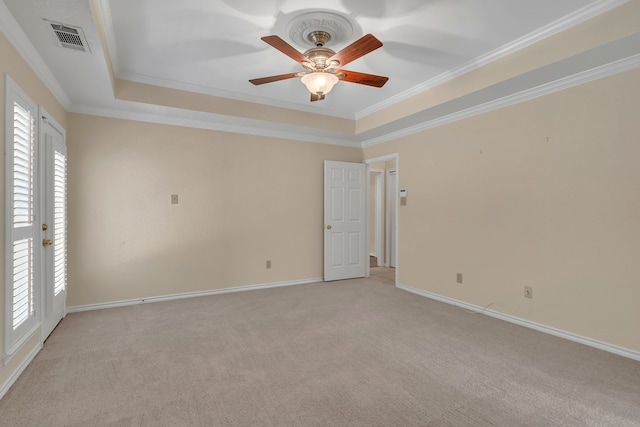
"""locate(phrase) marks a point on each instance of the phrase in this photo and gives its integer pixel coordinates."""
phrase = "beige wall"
(242, 200)
(492, 198)
(12, 64)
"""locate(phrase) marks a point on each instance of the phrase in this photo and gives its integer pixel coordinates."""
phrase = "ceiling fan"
(322, 64)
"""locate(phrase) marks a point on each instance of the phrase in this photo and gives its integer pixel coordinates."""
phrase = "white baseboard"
(12, 379)
(113, 304)
(620, 351)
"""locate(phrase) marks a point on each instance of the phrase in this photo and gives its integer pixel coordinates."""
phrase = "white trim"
(48, 118)
(620, 351)
(209, 121)
(385, 158)
(10, 351)
(367, 219)
(125, 303)
(379, 189)
(16, 374)
(102, 9)
(583, 77)
(588, 12)
(391, 205)
(19, 40)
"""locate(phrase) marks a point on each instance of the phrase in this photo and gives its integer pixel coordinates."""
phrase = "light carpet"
(347, 353)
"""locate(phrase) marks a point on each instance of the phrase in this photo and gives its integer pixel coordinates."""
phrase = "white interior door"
(54, 224)
(345, 251)
(392, 209)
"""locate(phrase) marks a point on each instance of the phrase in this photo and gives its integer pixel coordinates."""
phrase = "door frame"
(385, 158)
(379, 203)
(391, 209)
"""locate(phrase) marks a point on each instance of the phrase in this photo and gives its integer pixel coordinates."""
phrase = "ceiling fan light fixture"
(319, 83)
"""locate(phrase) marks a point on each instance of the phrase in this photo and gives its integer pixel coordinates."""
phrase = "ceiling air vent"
(70, 37)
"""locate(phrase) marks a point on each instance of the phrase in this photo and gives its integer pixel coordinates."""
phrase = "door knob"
(47, 242)
(328, 227)
(45, 227)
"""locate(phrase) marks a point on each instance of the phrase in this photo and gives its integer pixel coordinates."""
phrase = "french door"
(53, 173)
(35, 222)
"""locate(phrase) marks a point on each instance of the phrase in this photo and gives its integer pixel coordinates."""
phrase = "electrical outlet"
(268, 264)
(528, 292)
(174, 199)
(459, 278)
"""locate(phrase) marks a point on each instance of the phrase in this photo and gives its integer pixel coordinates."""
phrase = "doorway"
(383, 219)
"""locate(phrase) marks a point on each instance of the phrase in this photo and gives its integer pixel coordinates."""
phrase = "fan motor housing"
(319, 56)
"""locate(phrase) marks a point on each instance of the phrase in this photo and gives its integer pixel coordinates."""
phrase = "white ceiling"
(214, 46)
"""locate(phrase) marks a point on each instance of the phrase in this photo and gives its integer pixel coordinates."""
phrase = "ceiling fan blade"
(316, 97)
(270, 79)
(285, 48)
(362, 78)
(355, 50)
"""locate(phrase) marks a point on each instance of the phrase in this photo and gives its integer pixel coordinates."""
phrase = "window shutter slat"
(22, 281)
(60, 216)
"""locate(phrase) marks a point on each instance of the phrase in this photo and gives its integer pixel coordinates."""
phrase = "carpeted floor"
(347, 353)
(384, 275)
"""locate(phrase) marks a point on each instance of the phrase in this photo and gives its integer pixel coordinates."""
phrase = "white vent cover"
(70, 37)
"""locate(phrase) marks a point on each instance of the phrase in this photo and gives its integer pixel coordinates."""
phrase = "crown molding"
(237, 96)
(102, 11)
(596, 73)
(588, 12)
(200, 120)
(21, 43)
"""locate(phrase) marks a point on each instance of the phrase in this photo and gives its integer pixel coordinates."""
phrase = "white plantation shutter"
(24, 124)
(20, 146)
(60, 222)
(22, 281)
